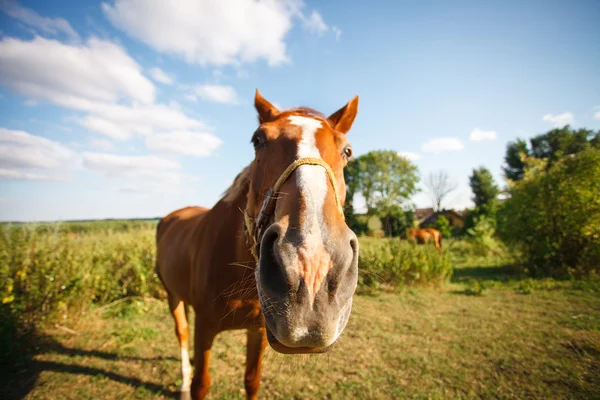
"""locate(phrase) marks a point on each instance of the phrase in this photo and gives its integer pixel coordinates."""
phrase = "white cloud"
(191, 97)
(409, 155)
(184, 143)
(115, 165)
(105, 127)
(478, 135)
(144, 187)
(161, 76)
(141, 169)
(337, 32)
(19, 175)
(209, 32)
(315, 23)
(22, 155)
(68, 75)
(217, 93)
(50, 26)
(122, 122)
(91, 78)
(102, 144)
(597, 115)
(19, 149)
(560, 120)
(440, 145)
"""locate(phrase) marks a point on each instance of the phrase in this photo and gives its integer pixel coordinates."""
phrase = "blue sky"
(124, 109)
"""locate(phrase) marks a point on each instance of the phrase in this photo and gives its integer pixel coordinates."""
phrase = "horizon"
(121, 109)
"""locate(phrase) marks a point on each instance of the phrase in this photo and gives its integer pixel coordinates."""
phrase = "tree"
(553, 214)
(386, 181)
(398, 220)
(551, 146)
(485, 192)
(514, 167)
(352, 179)
(439, 186)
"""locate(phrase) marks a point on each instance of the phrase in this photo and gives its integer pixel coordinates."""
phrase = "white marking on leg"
(186, 370)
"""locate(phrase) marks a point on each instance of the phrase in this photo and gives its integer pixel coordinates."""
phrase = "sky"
(134, 108)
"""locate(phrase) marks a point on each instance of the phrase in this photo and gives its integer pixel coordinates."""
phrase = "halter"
(255, 229)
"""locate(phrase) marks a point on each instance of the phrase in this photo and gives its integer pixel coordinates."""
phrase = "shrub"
(443, 225)
(482, 237)
(54, 276)
(400, 263)
(553, 215)
(475, 288)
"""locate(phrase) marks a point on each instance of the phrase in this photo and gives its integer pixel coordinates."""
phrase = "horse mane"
(240, 184)
(306, 111)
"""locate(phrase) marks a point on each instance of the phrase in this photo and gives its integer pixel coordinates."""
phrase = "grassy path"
(416, 344)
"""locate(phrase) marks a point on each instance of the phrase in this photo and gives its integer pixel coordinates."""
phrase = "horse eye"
(258, 140)
(348, 152)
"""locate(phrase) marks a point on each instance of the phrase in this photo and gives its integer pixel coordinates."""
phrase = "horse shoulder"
(175, 245)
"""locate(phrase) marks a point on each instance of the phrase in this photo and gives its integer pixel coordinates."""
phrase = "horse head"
(307, 257)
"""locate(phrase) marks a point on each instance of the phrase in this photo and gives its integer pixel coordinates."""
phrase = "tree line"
(549, 209)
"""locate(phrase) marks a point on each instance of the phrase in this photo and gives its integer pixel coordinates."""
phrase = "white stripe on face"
(311, 179)
(312, 260)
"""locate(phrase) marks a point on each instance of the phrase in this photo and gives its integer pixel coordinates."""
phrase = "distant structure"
(423, 213)
(425, 217)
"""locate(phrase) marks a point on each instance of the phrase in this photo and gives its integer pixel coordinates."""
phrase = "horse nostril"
(270, 238)
(354, 245)
(272, 275)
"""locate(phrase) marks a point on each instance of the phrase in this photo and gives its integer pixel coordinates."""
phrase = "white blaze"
(311, 179)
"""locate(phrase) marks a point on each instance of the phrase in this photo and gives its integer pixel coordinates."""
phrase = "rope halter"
(255, 228)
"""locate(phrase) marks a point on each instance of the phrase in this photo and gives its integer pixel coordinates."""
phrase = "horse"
(274, 256)
(426, 235)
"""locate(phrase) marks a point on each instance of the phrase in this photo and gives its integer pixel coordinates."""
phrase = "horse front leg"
(203, 340)
(255, 349)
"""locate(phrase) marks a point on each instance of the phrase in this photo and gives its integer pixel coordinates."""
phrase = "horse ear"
(266, 111)
(342, 119)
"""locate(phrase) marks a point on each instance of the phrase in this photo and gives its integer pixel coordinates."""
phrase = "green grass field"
(516, 339)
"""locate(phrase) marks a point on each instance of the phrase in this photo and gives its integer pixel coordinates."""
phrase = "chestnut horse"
(426, 235)
(274, 256)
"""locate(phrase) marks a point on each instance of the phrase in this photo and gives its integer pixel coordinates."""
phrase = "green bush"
(553, 215)
(55, 276)
(443, 225)
(400, 263)
(482, 238)
(475, 287)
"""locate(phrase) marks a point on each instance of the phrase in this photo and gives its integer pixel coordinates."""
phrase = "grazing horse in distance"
(274, 256)
(426, 235)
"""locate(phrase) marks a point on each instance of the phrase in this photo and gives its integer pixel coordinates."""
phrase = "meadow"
(84, 316)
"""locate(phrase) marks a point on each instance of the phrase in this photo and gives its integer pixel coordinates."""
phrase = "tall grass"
(51, 274)
(55, 276)
(401, 263)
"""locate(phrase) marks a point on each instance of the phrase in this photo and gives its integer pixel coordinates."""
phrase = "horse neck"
(229, 211)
